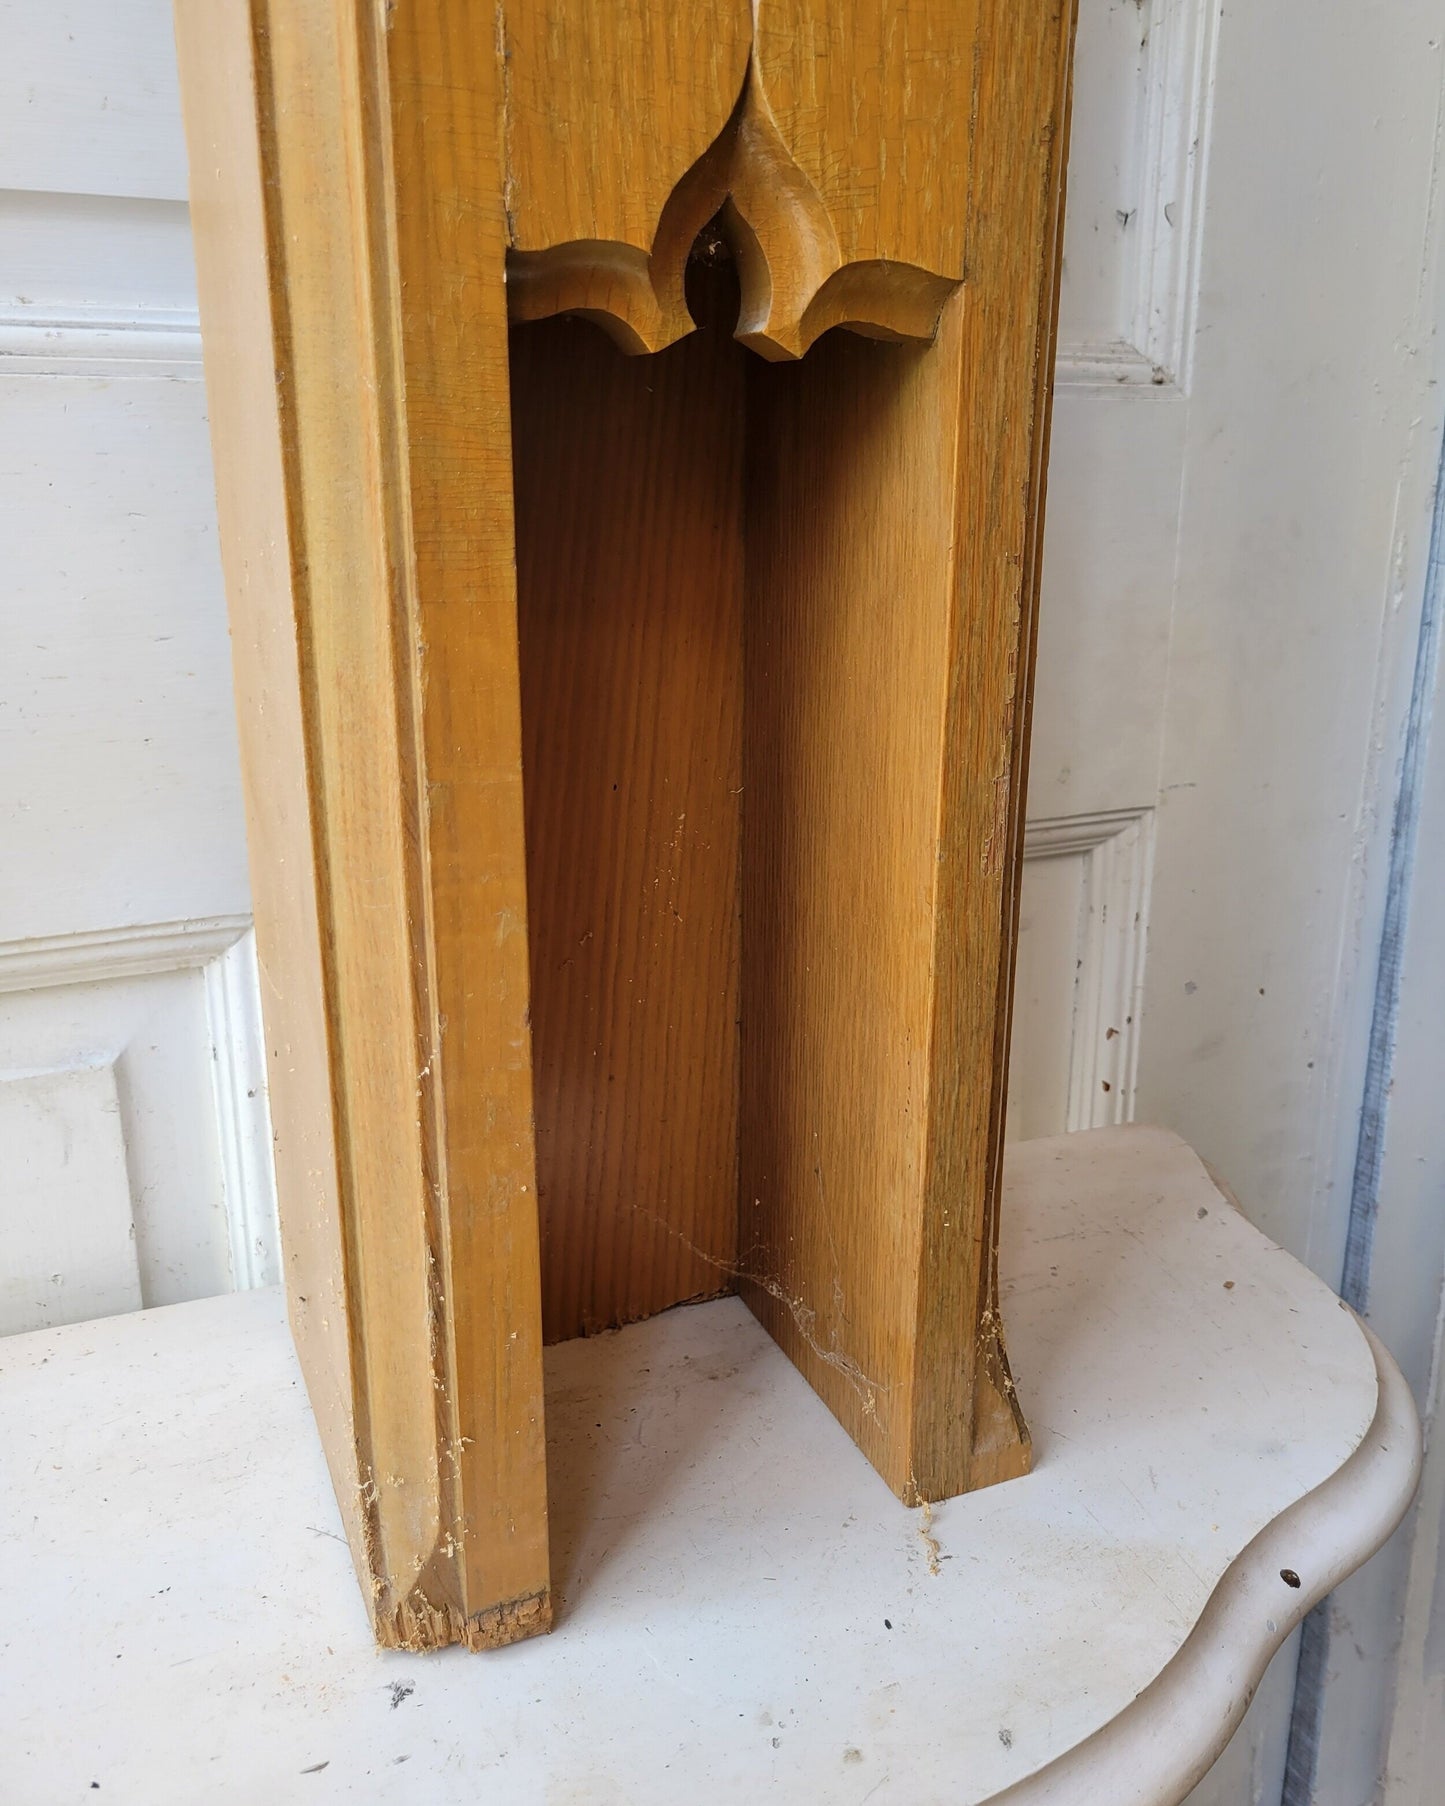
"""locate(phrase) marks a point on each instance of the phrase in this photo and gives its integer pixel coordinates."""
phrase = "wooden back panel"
(630, 567)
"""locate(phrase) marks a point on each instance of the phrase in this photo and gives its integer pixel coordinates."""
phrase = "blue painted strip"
(1302, 1759)
(1365, 1190)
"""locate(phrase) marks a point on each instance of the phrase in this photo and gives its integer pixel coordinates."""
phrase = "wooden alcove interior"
(735, 607)
(634, 745)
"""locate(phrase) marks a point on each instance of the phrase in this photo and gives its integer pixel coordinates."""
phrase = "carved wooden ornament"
(830, 138)
(634, 746)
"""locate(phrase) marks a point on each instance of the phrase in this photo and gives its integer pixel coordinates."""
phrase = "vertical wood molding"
(353, 214)
(348, 209)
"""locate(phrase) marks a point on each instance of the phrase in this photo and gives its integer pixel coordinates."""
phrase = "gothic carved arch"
(815, 187)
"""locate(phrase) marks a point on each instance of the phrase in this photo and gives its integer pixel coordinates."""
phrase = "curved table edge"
(1165, 1741)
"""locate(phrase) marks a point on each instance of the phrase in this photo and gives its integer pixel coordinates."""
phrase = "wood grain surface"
(629, 544)
(850, 615)
(893, 498)
(223, 105)
(1008, 318)
(410, 1230)
(850, 177)
(836, 137)
(612, 113)
(691, 810)
(438, 274)
(871, 99)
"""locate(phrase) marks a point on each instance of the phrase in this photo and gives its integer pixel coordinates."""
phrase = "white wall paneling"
(1379, 1646)
(1243, 448)
(90, 99)
(1404, 1290)
(1314, 422)
(121, 800)
(1138, 153)
(1083, 926)
(133, 1119)
(67, 1224)
(93, 285)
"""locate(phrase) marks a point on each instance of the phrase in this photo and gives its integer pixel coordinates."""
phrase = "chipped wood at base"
(412, 1235)
(419, 1626)
(447, 274)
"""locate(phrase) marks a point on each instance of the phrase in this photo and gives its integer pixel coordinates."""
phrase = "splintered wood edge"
(417, 1625)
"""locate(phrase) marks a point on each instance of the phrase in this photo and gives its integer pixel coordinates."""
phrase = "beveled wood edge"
(1169, 1736)
(316, 313)
(625, 294)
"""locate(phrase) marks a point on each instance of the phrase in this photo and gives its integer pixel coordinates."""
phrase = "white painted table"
(746, 1611)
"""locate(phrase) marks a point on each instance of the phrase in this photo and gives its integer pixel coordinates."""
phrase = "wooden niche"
(629, 424)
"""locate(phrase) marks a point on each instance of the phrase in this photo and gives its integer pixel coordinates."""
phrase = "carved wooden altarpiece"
(634, 720)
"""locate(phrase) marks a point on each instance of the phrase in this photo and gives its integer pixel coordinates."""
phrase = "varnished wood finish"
(843, 167)
(867, 102)
(441, 269)
(875, 988)
(891, 530)
(1012, 251)
(766, 692)
(851, 616)
(871, 99)
(629, 532)
(411, 1228)
(221, 88)
(608, 108)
